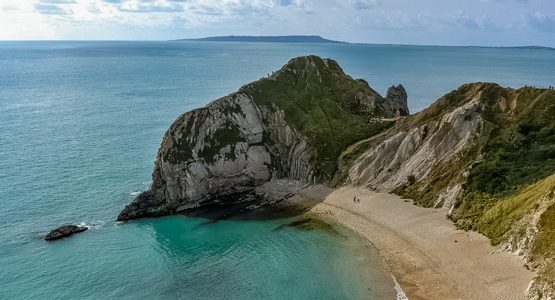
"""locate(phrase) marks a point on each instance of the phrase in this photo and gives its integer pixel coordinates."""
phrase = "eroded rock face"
(227, 148)
(64, 231)
(418, 151)
(285, 126)
(397, 97)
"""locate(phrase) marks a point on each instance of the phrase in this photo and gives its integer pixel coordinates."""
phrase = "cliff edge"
(292, 124)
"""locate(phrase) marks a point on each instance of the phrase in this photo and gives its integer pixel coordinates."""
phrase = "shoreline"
(454, 264)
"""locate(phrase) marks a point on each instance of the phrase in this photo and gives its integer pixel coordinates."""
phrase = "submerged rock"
(309, 224)
(64, 231)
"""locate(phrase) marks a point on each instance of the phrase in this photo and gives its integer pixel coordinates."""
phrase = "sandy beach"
(428, 255)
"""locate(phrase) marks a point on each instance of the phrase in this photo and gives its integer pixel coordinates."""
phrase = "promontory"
(483, 154)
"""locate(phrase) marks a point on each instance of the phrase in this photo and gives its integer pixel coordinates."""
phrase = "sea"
(80, 125)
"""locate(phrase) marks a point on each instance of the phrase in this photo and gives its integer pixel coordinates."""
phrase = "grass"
(323, 104)
(518, 149)
(544, 246)
(499, 218)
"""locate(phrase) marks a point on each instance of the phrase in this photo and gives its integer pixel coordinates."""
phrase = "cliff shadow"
(270, 201)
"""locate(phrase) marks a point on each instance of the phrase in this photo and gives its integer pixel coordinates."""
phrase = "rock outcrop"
(64, 231)
(397, 97)
(292, 124)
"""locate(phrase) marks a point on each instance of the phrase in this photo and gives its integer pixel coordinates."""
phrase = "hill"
(267, 39)
(485, 154)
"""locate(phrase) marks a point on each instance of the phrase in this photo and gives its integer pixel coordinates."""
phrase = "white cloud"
(391, 21)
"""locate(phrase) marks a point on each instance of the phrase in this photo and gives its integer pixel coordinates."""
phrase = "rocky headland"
(293, 125)
(482, 154)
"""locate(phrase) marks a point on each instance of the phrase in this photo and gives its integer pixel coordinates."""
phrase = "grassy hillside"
(507, 171)
(509, 185)
(526, 218)
(517, 149)
(324, 104)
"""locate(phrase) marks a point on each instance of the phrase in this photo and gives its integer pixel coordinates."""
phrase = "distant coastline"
(316, 39)
(312, 39)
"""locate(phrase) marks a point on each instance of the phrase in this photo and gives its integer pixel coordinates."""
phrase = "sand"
(427, 254)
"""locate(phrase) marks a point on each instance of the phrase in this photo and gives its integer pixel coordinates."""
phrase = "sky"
(429, 22)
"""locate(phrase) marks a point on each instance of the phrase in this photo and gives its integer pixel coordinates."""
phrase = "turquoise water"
(80, 124)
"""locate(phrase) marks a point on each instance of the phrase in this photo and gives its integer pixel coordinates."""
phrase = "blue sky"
(437, 22)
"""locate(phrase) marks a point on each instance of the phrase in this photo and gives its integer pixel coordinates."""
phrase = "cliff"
(292, 124)
(484, 153)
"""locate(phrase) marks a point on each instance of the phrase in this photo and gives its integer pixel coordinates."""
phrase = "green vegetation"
(518, 149)
(323, 104)
(510, 168)
(356, 152)
(228, 135)
(446, 103)
(544, 245)
(499, 216)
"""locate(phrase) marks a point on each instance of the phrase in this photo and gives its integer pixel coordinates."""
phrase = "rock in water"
(292, 124)
(64, 231)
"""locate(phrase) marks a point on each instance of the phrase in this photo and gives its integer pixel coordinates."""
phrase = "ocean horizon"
(81, 123)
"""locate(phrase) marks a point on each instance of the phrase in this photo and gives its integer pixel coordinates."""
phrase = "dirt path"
(353, 147)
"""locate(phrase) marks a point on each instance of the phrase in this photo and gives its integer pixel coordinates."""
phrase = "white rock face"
(418, 151)
(240, 159)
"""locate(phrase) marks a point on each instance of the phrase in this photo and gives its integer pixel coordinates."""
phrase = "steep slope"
(479, 152)
(524, 223)
(293, 124)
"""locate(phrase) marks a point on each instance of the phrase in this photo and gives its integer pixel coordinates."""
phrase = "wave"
(400, 293)
(94, 226)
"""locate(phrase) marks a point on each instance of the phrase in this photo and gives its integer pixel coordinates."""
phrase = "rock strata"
(292, 124)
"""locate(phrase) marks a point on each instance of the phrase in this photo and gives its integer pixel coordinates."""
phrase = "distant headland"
(314, 39)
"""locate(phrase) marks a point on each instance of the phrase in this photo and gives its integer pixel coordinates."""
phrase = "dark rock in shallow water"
(64, 231)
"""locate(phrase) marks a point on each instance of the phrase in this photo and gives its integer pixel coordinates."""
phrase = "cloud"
(463, 20)
(56, 1)
(51, 9)
(151, 8)
(365, 4)
(388, 21)
(285, 2)
(540, 22)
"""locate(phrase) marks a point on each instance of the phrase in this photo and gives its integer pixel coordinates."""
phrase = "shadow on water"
(309, 224)
(204, 226)
(252, 207)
